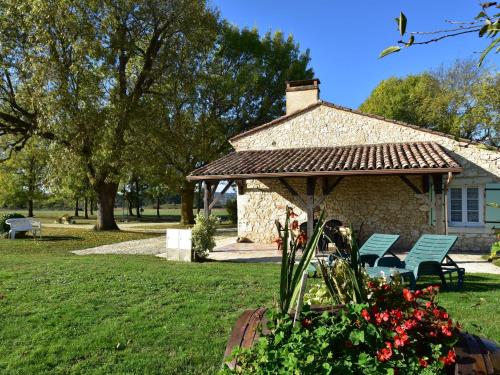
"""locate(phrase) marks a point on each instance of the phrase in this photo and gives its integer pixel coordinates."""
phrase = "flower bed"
(398, 331)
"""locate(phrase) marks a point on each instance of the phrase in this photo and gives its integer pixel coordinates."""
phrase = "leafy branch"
(484, 25)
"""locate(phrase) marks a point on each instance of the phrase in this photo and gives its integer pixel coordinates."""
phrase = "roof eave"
(365, 172)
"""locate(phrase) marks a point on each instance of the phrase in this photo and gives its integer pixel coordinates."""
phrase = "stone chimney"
(301, 94)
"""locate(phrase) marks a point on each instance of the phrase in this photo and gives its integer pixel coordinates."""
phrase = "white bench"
(24, 225)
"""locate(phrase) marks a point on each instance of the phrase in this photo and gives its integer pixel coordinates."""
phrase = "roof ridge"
(340, 146)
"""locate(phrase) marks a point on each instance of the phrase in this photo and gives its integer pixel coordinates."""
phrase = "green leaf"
(483, 30)
(357, 337)
(389, 50)
(492, 45)
(480, 15)
(402, 23)
(410, 41)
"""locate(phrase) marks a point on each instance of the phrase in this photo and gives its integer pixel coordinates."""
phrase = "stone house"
(375, 174)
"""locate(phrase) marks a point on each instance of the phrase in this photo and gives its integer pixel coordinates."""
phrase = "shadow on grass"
(472, 283)
(58, 238)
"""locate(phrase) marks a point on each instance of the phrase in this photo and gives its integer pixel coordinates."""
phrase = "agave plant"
(346, 279)
(290, 242)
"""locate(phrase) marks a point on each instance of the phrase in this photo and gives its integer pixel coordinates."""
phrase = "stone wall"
(382, 203)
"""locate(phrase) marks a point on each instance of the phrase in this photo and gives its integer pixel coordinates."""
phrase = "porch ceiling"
(377, 159)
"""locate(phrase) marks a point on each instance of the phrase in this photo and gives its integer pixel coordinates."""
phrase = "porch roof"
(386, 158)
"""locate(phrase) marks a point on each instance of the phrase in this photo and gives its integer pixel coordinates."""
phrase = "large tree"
(78, 73)
(462, 100)
(237, 83)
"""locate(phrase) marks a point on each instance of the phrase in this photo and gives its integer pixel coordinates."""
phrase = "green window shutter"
(492, 205)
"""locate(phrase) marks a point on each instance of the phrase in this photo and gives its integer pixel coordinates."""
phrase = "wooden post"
(206, 198)
(438, 191)
(311, 185)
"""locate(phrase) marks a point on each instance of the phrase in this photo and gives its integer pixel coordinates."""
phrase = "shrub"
(4, 227)
(232, 210)
(203, 236)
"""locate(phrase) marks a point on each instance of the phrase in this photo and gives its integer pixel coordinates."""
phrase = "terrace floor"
(228, 250)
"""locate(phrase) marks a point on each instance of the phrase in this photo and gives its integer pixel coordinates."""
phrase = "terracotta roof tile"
(386, 158)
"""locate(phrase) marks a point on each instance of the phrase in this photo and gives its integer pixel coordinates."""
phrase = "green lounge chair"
(377, 246)
(426, 257)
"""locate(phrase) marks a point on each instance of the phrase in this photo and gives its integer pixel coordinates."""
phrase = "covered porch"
(307, 178)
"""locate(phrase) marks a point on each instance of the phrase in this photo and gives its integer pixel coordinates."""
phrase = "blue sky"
(345, 37)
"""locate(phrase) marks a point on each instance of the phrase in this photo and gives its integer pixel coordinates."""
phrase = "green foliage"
(461, 100)
(291, 274)
(4, 227)
(484, 24)
(24, 177)
(203, 235)
(232, 210)
(318, 295)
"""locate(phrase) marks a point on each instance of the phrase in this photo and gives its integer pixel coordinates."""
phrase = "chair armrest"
(389, 262)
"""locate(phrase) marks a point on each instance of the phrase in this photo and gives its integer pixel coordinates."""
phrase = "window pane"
(456, 204)
(473, 216)
(473, 205)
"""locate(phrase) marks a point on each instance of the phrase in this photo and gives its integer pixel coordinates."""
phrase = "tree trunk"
(137, 199)
(106, 194)
(158, 206)
(91, 206)
(30, 207)
(76, 207)
(130, 212)
(86, 207)
(187, 199)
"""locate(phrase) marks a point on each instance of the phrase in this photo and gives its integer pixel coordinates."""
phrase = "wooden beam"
(327, 189)
(226, 188)
(206, 198)
(292, 190)
(242, 184)
(425, 183)
(437, 181)
(410, 185)
(310, 187)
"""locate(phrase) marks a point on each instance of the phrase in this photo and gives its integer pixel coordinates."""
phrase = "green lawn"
(67, 314)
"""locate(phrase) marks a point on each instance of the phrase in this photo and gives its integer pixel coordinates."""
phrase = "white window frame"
(464, 222)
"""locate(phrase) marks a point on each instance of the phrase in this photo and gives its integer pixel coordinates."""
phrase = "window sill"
(476, 230)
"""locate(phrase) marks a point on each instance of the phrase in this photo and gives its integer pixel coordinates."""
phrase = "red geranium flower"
(381, 317)
(423, 362)
(365, 314)
(295, 224)
(419, 314)
(292, 215)
(408, 295)
(400, 340)
(385, 354)
(450, 358)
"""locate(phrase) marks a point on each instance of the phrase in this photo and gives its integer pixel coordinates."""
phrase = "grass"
(67, 314)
